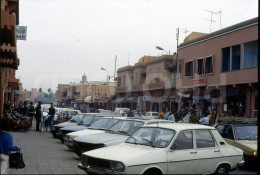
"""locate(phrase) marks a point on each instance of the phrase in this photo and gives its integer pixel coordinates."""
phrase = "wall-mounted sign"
(21, 32)
(200, 82)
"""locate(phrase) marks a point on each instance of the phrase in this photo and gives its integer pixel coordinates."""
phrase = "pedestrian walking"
(194, 117)
(51, 116)
(171, 117)
(6, 144)
(161, 115)
(38, 115)
(31, 111)
(25, 109)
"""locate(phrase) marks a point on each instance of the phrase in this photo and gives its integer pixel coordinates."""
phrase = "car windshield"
(246, 132)
(88, 120)
(104, 123)
(127, 127)
(77, 118)
(152, 136)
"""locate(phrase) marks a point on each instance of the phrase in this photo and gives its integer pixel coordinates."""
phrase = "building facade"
(9, 85)
(219, 71)
(149, 85)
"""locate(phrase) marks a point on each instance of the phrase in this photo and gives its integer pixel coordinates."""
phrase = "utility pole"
(115, 68)
(177, 38)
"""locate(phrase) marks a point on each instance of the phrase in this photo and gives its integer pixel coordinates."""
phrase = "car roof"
(118, 117)
(180, 126)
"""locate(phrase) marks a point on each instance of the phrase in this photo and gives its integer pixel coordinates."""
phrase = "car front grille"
(86, 146)
(100, 163)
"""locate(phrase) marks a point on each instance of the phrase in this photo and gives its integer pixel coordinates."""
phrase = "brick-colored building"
(149, 85)
(219, 71)
(9, 85)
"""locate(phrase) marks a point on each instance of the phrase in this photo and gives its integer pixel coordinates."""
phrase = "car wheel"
(222, 170)
(153, 172)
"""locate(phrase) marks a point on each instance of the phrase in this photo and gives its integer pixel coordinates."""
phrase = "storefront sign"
(200, 82)
(21, 32)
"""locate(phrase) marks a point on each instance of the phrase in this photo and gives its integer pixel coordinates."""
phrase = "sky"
(67, 38)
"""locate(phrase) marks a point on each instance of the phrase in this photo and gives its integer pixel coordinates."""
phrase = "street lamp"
(107, 73)
(160, 48)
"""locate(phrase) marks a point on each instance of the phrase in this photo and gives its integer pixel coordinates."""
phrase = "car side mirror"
(174, 146)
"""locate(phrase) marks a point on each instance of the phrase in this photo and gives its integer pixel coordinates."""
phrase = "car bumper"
(60, 136)
(68, 144)
(241, 163)
(96, 171)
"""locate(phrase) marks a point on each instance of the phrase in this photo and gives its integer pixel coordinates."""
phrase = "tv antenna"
(211, 18)
(185, 31)
(219, 18)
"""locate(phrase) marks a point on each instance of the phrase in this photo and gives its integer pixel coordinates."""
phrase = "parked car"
(116, 134)
(166, 148)
(75, 120)
(85, 123)
(242, 135)
(151, 115)
(99, 126)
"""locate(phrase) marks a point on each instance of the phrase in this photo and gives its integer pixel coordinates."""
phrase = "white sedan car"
(166, 148)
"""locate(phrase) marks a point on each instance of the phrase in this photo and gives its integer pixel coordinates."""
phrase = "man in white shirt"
(204, 120)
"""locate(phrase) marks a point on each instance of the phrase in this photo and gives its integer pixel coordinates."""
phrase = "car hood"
(251, 144)
(101, 138)
(85, 132)
(65, 124)
(74, 128)
(136, 154)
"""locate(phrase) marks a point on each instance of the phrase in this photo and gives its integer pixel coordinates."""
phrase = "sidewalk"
(44, 155)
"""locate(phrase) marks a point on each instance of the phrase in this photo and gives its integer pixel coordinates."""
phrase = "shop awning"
(201, 97)
(88, 99)
(119, 100)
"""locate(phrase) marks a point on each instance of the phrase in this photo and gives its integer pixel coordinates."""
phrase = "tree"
(40, 89)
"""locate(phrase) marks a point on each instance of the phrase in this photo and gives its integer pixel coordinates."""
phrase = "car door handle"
(216, 151)
(193, 152)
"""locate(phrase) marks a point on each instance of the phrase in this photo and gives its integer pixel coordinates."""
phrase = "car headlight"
(254, 153)
(117, 166)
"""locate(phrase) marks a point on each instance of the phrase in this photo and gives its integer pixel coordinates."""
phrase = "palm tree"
(49, 90)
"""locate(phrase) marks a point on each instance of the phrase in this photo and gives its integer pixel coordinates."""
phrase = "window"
(236, 57)
(159, 70)
(204, 139)
(209, 65)
(119, 82)
(189, 68)
(200, 69)
(225, 59)
(124, 80)
(250, 57)
(231, 58)
(184, 140)
(228, 132)
(135, 79)
(151, 71)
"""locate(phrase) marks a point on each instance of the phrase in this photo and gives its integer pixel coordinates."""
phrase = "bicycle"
(44, 124)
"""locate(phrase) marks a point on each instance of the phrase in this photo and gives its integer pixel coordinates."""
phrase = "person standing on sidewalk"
(25, 109)
(31, 110)
(38, 115)
(172, 117)
(6, 144)
(51, 116)
(194, 117)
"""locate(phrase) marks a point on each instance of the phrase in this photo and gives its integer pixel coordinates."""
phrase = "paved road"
(45, 155)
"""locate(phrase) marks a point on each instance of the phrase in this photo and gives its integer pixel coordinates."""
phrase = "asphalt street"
(45, 155)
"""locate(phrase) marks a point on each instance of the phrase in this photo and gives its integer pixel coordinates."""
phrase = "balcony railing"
(153, 86)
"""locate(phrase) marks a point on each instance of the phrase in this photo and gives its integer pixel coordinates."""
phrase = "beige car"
(166, 148)
(241, 135)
